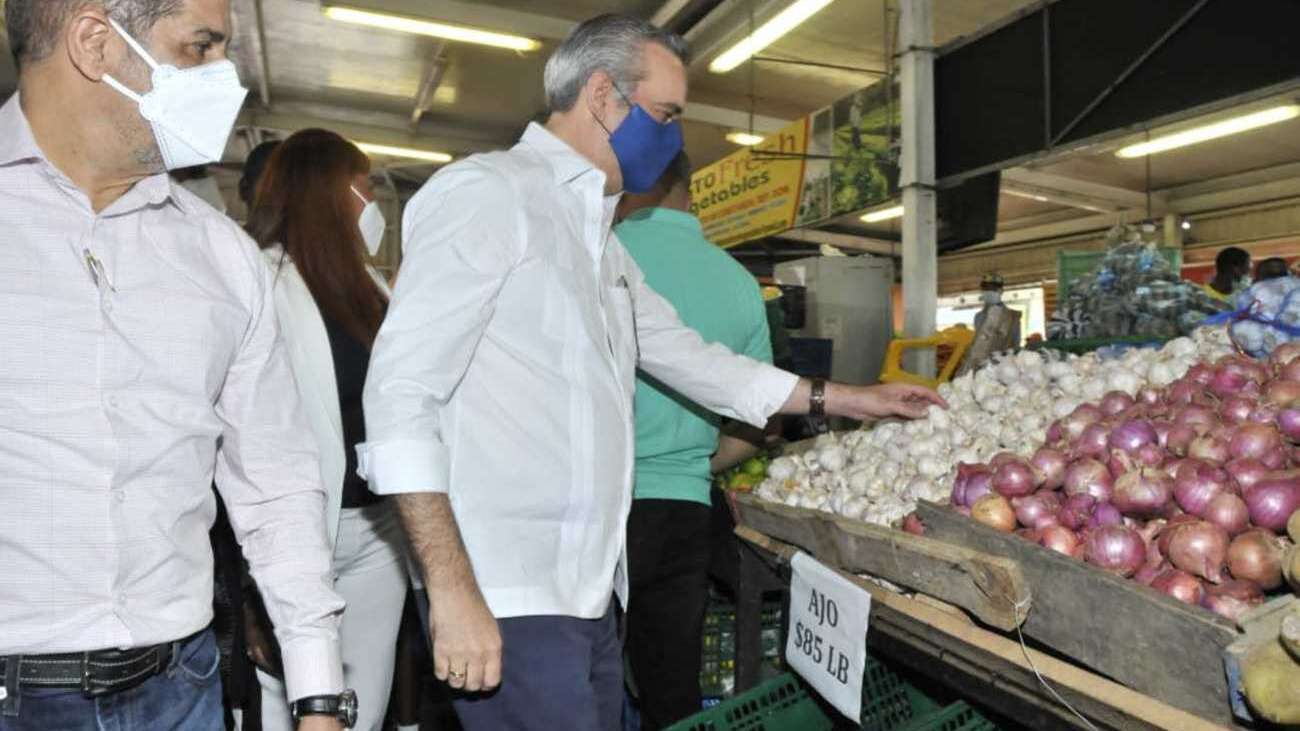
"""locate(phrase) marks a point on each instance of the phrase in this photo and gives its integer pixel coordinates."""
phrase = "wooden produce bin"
(1148, 641)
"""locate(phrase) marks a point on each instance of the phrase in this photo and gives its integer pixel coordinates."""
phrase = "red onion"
(1150, 529)
(1150, 570)
(1256, 556)
(1229, 512)
(994, 511)
(1081, 418)
(1282, 392)
(1180, 438)
(1142, 493)
(1077, 511)
(1060, 539)
(1233, 599)
(1172, 466)
(1092, 442)
(1051, 463)
(1227, 383)
(1246, 472)
(1288, 422)
(1183, 392)
(1272, 501)
(1150, 396)
(1199, 548)
(1290, 371)
(1103, 515)
(1196, 484)
(1162, 540)
(1250, 370)
(1088, 477)
(1002, 458)
(1264, 413)
(1209, 448)
(1055, 432)
(1276, 459)
(973, 480)
(1037, 510)
(1115, 402)
(1014, 478)
(1235, 409)
(1115, 548)
(1254, 441)
(1196, 415)
(1162, 427)
(912, 524)
(1129, 436)
(1028, 534)
(1180, 585)
(1149, 455)
(1284, 354)
(1200, 374)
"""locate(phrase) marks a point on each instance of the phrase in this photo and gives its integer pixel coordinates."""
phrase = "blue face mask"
(643, 147)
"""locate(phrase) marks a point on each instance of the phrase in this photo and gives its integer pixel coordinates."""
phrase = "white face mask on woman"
(372, 223)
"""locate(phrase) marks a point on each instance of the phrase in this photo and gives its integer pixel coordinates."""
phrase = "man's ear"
(598, 93)
(88, 42)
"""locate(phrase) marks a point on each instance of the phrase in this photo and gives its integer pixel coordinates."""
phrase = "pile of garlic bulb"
(879, 473)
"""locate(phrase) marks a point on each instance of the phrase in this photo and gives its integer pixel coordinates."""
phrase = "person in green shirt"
(678, 445)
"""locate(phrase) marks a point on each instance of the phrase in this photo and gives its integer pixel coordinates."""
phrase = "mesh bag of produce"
(1267, 314)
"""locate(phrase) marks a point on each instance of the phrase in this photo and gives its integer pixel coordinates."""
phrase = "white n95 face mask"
(372, 224)
(192, 110)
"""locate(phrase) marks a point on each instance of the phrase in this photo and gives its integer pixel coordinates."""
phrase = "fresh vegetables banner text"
(746, 196)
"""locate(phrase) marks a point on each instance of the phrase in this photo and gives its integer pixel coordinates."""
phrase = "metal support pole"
(1173, 230)
(920, 240)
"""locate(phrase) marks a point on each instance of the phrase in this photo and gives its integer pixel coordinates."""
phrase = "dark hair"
(1231, 258)
(34, 25)
(611, 43)
(254, 164)
(302, 203)
(1271, 268)
(677, 173)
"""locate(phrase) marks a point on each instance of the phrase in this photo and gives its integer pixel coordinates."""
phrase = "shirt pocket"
(622, 331)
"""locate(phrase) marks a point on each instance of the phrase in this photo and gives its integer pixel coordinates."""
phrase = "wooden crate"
(1148, 641)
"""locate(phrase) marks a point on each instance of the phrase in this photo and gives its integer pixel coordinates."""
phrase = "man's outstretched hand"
(867, 403)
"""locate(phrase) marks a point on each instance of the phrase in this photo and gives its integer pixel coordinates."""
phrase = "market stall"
(1125, 518)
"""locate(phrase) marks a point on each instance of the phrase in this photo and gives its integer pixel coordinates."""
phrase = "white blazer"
(308, 344)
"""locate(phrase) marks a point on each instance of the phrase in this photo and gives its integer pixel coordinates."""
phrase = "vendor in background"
(991, 295)
(679, 445)
(1231, 272)
(1274, 267)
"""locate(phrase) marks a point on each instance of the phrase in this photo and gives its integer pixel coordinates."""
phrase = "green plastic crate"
(718, 646)
(957, 717)
(1070, 265)
(889, 702)
(1080, 347)
(780, 704)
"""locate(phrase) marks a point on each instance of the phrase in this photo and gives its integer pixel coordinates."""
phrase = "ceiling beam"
(430, 78)
(375, 127)
(731, 118)
(1287, 171)
(842, 241)
(668, 12)
(1083, 190)
(726, 24)
(475, 15)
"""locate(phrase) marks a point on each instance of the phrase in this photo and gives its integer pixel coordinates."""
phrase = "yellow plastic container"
(956, 340)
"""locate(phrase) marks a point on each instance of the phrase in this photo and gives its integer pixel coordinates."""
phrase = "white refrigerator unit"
(849, 301)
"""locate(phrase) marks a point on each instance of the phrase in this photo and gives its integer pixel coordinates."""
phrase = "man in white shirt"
(141, 357)
(499, 401)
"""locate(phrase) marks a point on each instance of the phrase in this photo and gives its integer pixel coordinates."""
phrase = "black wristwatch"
(817, 397)
(342, 706)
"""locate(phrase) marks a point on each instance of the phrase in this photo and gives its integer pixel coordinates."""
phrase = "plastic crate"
(889, 702)
(1118, 344)
(957, 717)
(1070, 265)
(718, 646)
(780, 704)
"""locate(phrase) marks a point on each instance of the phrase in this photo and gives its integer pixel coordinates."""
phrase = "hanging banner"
(744, 196)
(840, 161)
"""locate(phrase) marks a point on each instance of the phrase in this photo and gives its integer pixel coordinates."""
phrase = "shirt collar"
(565, 162)
(668, 216)
(18, 144)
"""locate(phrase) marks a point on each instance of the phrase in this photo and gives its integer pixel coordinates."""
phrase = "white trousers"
(370, 574)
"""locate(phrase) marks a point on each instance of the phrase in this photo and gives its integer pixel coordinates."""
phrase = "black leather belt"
(94, 673)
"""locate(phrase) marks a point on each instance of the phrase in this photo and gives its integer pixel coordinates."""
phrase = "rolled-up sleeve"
(462, 236)
(268, 475)
(708, 374)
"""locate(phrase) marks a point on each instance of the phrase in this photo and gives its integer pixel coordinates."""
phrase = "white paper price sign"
(828, 633)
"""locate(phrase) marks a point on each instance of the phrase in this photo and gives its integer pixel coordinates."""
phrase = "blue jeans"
(186, 697)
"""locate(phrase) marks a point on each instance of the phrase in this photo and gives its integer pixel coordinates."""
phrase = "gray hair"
(610, 43)
(34, 25)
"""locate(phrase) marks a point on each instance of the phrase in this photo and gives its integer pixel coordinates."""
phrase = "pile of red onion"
(1185, 489)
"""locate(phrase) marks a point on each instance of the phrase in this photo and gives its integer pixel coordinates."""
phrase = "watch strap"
(817, 397)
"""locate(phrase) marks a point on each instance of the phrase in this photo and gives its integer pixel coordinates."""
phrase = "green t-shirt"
(716, 297)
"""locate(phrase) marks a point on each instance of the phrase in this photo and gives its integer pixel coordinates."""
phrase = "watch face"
(348, 708)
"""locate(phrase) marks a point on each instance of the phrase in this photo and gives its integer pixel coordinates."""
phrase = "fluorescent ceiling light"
(883, 214)
(766, 34)
(1030, 196)
(745, 138)
(404, 24)
(408, 152)
(1213, 131)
